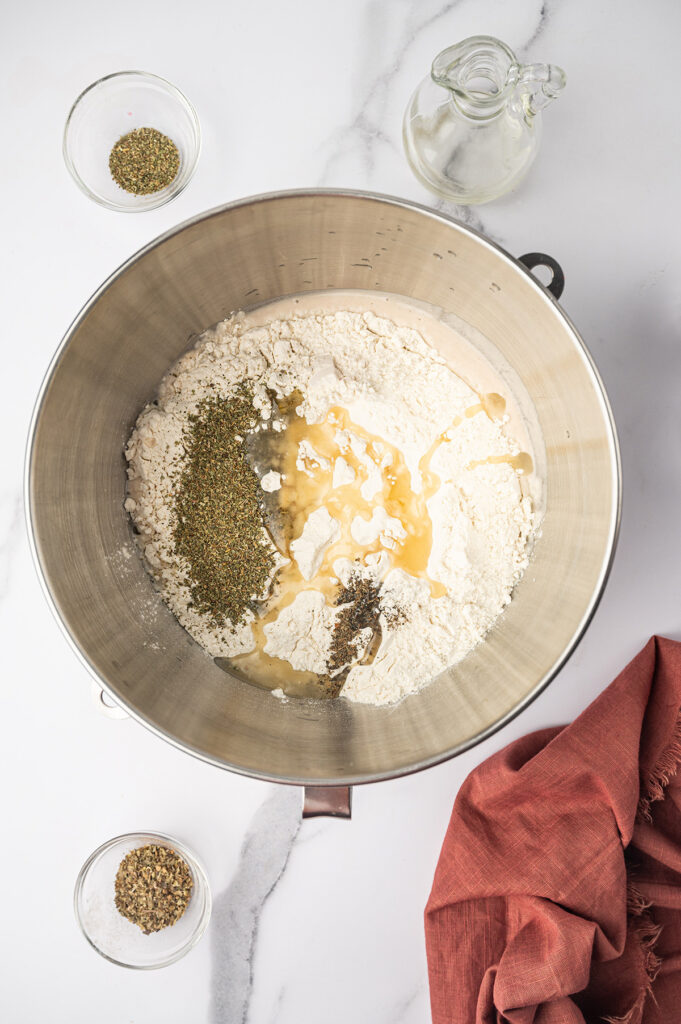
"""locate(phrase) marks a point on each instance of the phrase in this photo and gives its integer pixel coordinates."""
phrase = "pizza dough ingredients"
(406, 525)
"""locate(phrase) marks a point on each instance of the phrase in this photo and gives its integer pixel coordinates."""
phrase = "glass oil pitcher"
(472, 128)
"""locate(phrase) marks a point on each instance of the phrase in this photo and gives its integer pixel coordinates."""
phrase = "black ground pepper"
(361, 598)
(361, 607)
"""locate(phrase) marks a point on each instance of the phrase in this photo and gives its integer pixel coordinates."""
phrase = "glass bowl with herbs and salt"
(132, 141)
(142, 900)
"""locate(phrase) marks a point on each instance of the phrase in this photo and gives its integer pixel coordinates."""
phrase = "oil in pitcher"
(472, 128)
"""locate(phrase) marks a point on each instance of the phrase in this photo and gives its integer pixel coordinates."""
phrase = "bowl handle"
(105, 704)
(327, 801)
(540, 259)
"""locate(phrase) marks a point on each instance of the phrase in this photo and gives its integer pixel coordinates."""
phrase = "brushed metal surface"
(108, 367)
(327, 802)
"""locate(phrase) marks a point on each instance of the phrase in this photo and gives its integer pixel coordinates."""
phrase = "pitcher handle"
(539, 85)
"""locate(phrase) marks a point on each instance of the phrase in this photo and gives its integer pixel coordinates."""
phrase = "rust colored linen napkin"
(557, 896)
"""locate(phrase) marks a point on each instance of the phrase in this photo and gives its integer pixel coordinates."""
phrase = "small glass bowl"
(114, 106)
(118, 939)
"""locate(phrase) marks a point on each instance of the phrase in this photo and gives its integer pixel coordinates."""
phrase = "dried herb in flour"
(361, 600)
(219, 512)
(361, 607)
(153, 887)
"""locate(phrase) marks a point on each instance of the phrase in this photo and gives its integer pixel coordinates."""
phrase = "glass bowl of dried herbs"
(142, 900)
(132, 141)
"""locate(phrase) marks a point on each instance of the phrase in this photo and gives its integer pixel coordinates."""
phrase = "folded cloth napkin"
(557, 896)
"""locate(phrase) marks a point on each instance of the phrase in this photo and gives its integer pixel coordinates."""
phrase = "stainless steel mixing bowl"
(108, 367)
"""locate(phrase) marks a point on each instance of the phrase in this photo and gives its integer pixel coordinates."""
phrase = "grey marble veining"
(368, 128)
(403, 1009)
(545, 13)
(469, 215)
(238, 910)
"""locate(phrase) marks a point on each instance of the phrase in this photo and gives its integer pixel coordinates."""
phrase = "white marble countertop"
(320, 921)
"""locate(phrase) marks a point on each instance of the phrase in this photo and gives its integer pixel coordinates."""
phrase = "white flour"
(394, 387)
(302, 633)
(271, 481)
(319, 533)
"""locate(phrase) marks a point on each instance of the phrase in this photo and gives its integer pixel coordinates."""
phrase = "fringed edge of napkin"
(663, 772)
(646, 932)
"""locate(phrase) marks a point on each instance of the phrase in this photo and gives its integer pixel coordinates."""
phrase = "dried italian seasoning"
(219, 512)
(144, 161)
(153, 887)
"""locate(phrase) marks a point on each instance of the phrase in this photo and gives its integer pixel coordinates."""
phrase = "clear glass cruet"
(472, 128)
